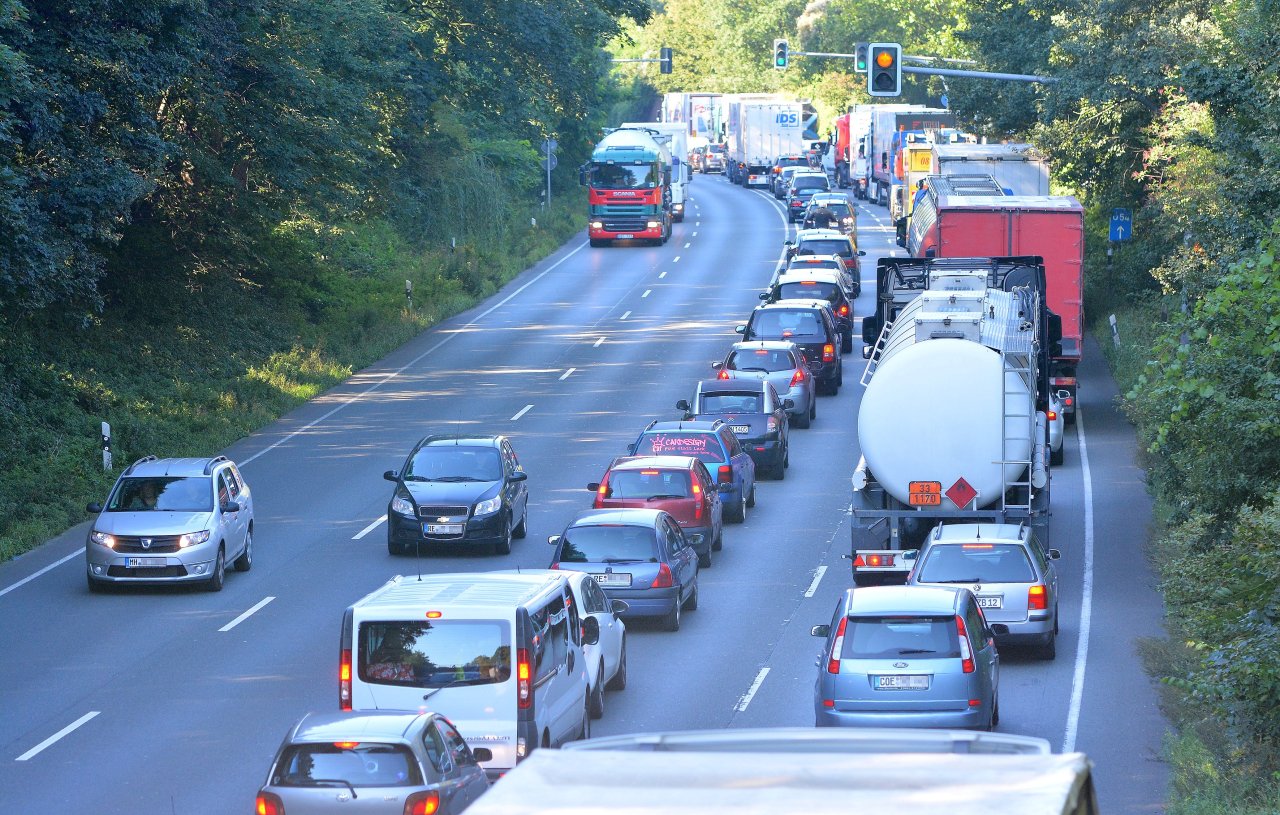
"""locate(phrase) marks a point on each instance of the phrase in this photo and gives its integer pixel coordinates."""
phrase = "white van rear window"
(435, 653)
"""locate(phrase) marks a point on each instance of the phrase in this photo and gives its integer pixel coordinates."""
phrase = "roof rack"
(142, 460)
(213, 462)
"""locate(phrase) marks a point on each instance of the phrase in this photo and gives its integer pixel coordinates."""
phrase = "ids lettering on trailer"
(791, 119)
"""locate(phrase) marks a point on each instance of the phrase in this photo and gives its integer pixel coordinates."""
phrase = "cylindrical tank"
(932, 412)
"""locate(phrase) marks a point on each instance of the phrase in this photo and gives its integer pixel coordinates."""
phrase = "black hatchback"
(458, 490)
(811, 325)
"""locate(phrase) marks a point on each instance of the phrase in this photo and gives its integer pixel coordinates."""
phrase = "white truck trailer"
(1020, 169)
(760, 130)
(675, 136)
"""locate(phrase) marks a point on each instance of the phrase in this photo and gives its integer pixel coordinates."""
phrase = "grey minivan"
(907, 656)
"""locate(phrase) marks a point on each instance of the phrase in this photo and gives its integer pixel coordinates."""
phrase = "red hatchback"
(679, 485)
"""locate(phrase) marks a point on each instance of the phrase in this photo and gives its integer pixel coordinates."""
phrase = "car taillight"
(723, 374)
(269, 804)
(344, 680)
(697, 502)
(966, 653)
(795, 202)
(828, 353)
(1037, 598)
(422, 803)
(724, 474)
(601, 492)
(837, 645)
(555, 565)
(873, 560)
(1052, 415)
(844, 310)
(524, 680)
(797, 378)
(664, 580)
(771, 426)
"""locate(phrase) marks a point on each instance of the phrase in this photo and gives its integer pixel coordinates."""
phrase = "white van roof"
(568, 782)
(471, 589)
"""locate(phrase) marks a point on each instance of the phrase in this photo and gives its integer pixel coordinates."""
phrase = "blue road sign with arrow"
(1121, 224)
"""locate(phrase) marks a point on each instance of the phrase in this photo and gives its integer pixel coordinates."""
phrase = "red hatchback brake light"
(1037, 598)
(837, 645)
(797, 377)
(344, 680)
(966, 653)
(422, 803)
(524, 679)
(269, 804)
(697, 501)
(664, 580)
(724, 474)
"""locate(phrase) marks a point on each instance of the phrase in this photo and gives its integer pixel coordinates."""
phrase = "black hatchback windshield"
(450, 463)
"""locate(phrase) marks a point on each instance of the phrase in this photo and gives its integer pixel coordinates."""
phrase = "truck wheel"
(846, 343)
(598, 243)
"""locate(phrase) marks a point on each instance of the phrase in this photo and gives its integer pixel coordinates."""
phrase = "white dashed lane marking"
(522, 412)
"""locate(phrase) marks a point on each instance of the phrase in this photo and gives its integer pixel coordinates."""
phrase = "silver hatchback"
(373, 763)
(1004, 565)
(907, 656)
(781, 364)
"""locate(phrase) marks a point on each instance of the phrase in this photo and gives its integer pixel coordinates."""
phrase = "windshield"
(163, 495)
(704, 446)
(827, 246)
(604, 544)
(761, 359)
(648, 483)
(976, 563)
(893, 637)
(360, 764)
(716, 148)
(800, 264)
(730, 402)
(809, 290)
(454, 464)
(809, 182)
(436, 653)
(624, 176)
(776, 324)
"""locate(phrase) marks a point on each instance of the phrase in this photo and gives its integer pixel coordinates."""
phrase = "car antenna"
(417, 558)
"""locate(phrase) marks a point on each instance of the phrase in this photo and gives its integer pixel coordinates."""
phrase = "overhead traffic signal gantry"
(884, 75)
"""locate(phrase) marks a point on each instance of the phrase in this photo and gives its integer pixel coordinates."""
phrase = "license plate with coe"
(741, 429)
(902, 682)
(613, 579)
(990, 601)
(442, 529)
(145, 562)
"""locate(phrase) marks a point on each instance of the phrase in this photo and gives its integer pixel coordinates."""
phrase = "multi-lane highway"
(156, 701)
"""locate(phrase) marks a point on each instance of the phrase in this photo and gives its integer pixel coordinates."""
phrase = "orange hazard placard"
(925, 493)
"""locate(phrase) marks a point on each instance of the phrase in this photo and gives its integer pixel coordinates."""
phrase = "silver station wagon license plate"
(902, 682)
(991, 601)
(145, 563)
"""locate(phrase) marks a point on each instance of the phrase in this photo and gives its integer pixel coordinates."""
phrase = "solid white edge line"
(369, 528)
(817, 578)
(751, 691)
(415, 360)
(598, 343)
(567, 374)
(64, 731)
(24, 581)
(246, 615)
(522, 412)
(1086, 596)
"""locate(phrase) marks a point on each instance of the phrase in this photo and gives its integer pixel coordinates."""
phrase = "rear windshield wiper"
(661, 497)
(620, 560)
(339, 781)
(956, 580)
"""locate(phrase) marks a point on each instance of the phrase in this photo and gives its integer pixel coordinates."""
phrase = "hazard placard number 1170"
(925, 493)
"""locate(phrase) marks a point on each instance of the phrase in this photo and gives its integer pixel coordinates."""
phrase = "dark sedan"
(458, 490)
(755, 413)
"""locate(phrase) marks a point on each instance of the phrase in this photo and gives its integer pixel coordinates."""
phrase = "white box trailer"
(675, 136)
(759, 132)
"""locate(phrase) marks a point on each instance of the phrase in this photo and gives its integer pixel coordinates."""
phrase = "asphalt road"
(158, 701)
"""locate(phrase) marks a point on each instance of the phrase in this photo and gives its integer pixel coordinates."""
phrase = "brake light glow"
(837, 645)
(602, 492)
(828, 353)
(1037, 598)
(524, 685)
(723, 374)
(977, 546)
(697, 502)
(344, 680)
(1063, 380)
(434, 615)
(269, 804)
(422, 803)
(664, 580)
(966, 653)
(844, 310)
(724, 474)
(1052, 415)
(648, 472)
(874, 561)
(346, 745)
(797, 377)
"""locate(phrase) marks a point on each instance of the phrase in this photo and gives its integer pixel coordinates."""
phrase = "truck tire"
(598, 243)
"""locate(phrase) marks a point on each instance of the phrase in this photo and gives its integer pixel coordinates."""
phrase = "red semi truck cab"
(949, 225)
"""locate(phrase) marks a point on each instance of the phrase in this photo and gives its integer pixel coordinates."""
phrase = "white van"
(500, 655)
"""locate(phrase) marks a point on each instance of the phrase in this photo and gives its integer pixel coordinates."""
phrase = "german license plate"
(902, 682)
(625, 237)
(442, 529)
(990, 601)
(145, 562)
(741, 429)
(613, 579)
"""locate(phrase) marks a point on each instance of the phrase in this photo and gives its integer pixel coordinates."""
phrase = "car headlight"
(654, 225)
(597, 224)
(193, 539)
(103, 539)
(401, 505)
(489, 506)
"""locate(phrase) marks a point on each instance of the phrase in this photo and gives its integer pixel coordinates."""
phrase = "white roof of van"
(459, 589)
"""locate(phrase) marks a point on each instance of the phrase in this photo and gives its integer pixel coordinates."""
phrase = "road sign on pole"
(549, 163)
(1121, 224)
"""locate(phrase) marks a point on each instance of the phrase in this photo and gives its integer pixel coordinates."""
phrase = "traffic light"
(780, 54)
(664, 60)
(860, 58)
(884, 77)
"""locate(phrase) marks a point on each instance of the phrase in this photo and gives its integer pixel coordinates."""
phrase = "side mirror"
(590, 630)
(862, 253)
(620, 607)
(95, 508)
(582, 176)
(788, 404)
(631, 449)
(902, 242)
(482, 754)
(230, 506)
(764, 295)
(553, 539)
(789, 244)
(742, 329)
(1054, 554)
(390, 475)
(820, 631)
(717, 365)
(594, 486)
(683, 404)
(518, 475)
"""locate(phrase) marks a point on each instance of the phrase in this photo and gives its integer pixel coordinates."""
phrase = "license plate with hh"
(990, 601)
(613, 579)
(442, 529)
(902, 682)
(145, 563)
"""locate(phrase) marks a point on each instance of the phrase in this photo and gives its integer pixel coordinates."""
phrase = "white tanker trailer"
(952, 424)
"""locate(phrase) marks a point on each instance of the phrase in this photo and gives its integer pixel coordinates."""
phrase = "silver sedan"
(781, 364)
